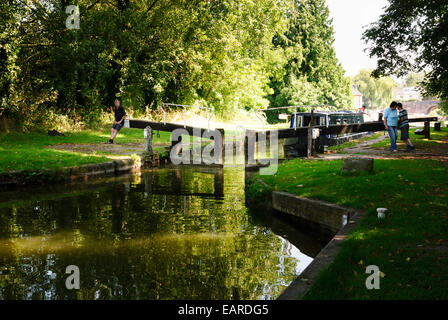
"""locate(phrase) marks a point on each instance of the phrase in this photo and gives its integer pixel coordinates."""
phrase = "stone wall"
(323, 213)
(66, 174)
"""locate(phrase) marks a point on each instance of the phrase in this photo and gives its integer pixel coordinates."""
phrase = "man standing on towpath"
(120, 115)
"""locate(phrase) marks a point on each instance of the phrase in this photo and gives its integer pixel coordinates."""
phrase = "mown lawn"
(437, 137)
(25, 151)
(410, 246)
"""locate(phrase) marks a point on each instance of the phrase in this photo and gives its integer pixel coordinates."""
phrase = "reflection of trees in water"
(127, 246)
(168, 267)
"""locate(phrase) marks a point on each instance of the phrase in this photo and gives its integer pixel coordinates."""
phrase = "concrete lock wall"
(66, 174)
(329, 215)
(337, 219)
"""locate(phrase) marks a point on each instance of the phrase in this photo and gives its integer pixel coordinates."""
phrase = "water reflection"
(175, 233)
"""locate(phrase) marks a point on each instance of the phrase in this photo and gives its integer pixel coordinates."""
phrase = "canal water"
(172, 233)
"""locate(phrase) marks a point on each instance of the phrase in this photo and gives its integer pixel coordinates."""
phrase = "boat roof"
(326, 113)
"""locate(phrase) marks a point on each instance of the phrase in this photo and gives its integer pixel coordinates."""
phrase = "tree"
(414, 79)
(216, 53)
(377, 92)
(312, 74)
(412, 35)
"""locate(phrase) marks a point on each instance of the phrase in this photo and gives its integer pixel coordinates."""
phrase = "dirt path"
(116, 150)
(363, 149)
(366, 149)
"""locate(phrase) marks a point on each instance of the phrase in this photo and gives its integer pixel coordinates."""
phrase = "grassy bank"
(437, 137)
(32, 151)
(410, 246)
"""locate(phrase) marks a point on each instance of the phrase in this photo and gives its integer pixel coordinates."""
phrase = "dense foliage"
(412, 35)
(313, 75)
(227, 54)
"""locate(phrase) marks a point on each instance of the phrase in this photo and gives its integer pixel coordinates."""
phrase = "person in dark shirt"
(120, 115)
(403, 125)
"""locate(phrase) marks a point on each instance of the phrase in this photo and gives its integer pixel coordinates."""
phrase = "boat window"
(298, 119)
(307, 121)
(322, 121)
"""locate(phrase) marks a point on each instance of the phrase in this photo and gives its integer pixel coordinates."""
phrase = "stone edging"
(328, 215)
(15, 178)
(300, 286)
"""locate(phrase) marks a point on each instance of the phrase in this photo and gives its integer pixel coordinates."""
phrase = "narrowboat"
(298, 146)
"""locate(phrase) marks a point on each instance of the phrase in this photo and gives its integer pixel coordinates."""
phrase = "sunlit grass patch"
(32, 151)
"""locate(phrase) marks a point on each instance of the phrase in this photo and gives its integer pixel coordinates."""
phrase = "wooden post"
(437, 126)
(222, 157)
(246, 149)
(309, 146)
(427, 130)
(148, 183)
(256, 144)
(218, 183)
(262, 138)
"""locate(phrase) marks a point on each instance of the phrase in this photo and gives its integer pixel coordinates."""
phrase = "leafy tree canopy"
(412, 35)
(313, 75)
(227, 54)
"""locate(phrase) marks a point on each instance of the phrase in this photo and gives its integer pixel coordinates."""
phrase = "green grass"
(25, 151)
(418, 140)
(409, 246)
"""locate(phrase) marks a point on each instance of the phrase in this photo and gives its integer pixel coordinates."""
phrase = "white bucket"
(381, 212)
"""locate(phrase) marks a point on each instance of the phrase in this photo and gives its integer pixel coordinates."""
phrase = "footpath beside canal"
(36, 158)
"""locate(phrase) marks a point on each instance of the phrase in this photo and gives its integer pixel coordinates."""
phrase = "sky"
(349, 20)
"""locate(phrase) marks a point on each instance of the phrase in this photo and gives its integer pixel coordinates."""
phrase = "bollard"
(126, 123)
(381, 212)
(427, 130)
